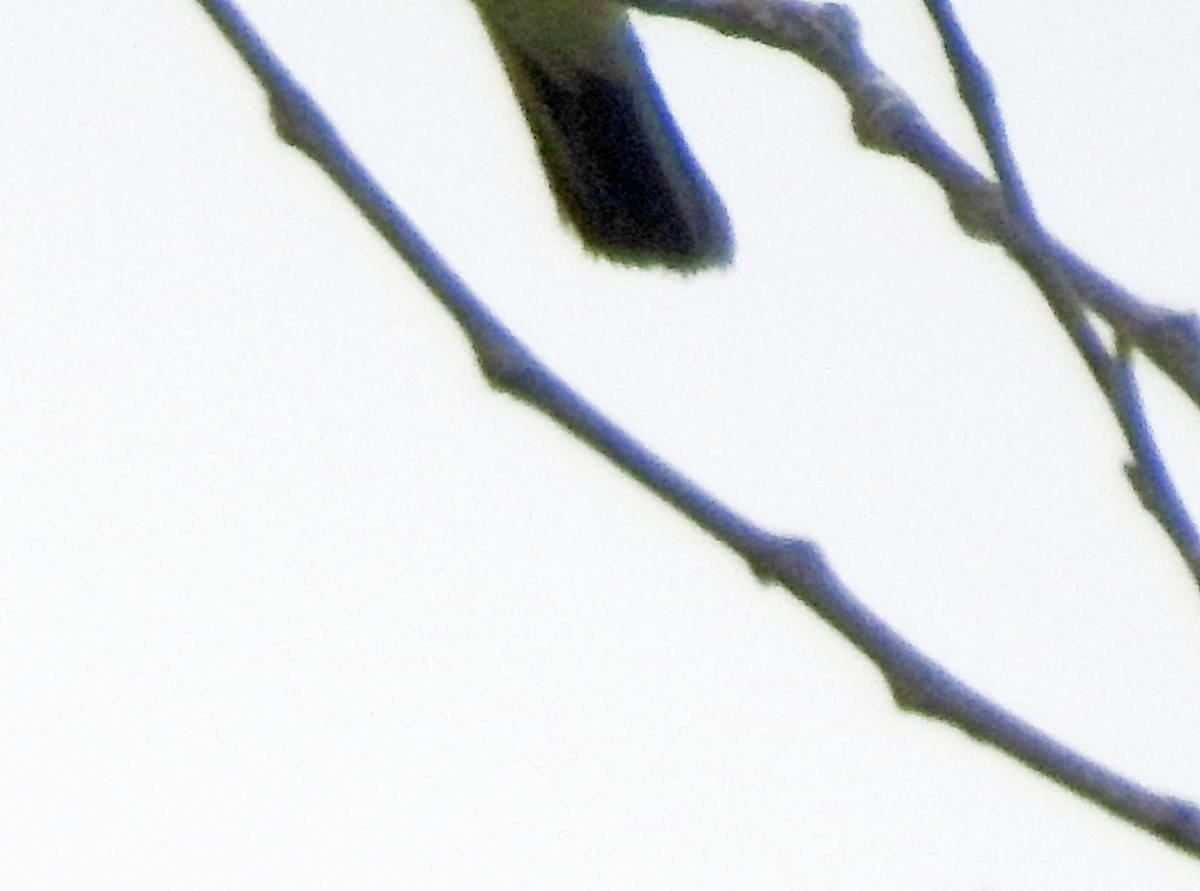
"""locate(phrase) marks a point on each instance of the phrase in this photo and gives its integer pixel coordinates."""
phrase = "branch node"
(297, 121)
(884, 118)
(982, 211)
(796, 560)
(840, 25)
(920, 688)
(505, 364)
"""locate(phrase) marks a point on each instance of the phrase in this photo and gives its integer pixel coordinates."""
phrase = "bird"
(616, 161)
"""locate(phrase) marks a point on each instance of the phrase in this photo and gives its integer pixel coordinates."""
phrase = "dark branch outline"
(1147, 473)
(918, 684)
(888, 121)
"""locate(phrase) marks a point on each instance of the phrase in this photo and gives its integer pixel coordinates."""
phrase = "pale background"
(291, 599)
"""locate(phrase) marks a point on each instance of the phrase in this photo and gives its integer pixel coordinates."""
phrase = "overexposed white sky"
(290, 599)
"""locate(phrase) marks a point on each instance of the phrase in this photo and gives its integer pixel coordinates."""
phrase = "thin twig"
(975, 88)
(887, 120)
(1146, 472)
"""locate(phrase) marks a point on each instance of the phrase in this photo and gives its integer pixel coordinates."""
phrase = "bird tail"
(618, 165)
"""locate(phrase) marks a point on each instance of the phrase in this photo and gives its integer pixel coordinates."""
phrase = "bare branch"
(888, 121)
(1147, 473)
(917, 682)
(975, 88)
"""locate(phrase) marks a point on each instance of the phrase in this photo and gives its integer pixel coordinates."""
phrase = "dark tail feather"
(619, 166)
